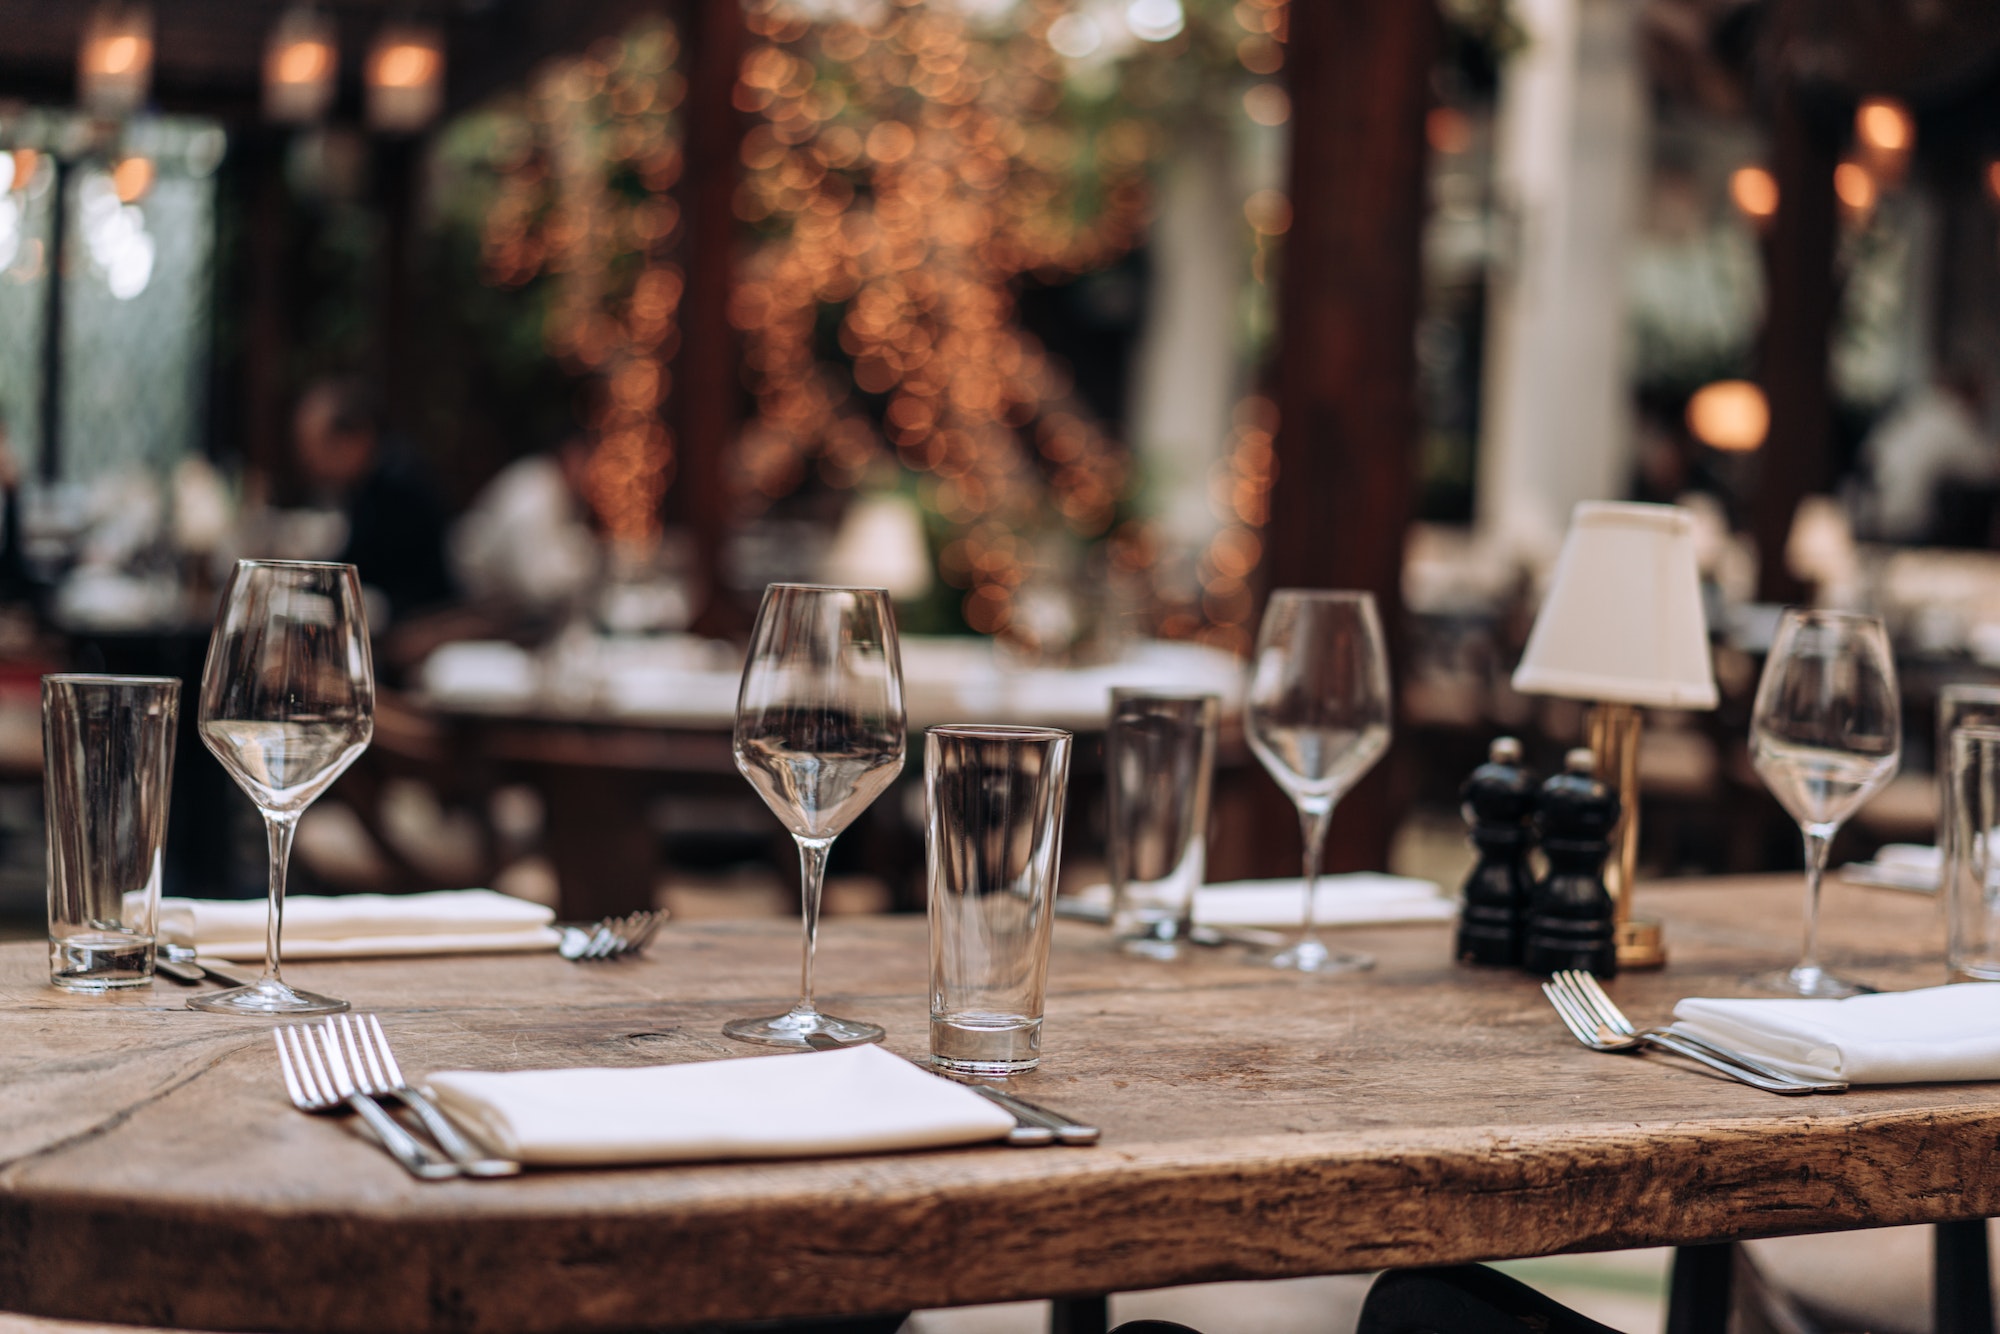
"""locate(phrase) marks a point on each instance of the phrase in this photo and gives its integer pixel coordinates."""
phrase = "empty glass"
(1958, 706)
(819, 734)
(1971, 867)
(994, 801)
(1159, 765)
(287, 703)
(107, 775)
(1825, 735)
(1318, 719)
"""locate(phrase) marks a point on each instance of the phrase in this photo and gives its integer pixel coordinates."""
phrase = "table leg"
(1080, 1315)
(1961, 1279)
(1698, 1295)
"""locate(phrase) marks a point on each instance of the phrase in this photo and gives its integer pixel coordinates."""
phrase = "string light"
(1755, 192)
(909, 172)
(583, 201)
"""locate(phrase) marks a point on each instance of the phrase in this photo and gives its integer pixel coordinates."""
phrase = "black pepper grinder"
(1570, 918)
(1498, 800)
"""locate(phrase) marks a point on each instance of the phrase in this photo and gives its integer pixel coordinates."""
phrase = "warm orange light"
(1730, 415)
(406, 65)
(1992, 178)
(132, 178)
(25, 162)
(1268, 212)
(1854, 186)
(1755, 192)
(1449, 131)
(1267, 104)
(303, 62)
(1885, 125)
(122, 55)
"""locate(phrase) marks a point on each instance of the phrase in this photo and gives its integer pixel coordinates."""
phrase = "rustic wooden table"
(1255, 1126)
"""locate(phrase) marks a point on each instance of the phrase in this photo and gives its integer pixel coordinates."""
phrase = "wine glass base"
(1310, 956)
(804, 1030)
(267, 998)
(1815, 983)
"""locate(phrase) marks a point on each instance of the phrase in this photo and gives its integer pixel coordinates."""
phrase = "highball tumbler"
(107, 773)
(994, 800)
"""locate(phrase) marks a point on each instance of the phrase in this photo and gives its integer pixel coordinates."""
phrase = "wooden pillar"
(704, 404)
(265, 352)
(1347, 437)
(1796, 460)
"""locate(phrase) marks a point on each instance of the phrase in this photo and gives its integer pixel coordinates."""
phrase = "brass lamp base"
(1641, 944)
(1613, 731)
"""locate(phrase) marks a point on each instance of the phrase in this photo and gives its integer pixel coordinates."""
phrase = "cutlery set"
(1595, 1020)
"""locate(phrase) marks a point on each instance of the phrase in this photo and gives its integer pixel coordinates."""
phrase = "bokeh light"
(1730, 415)
(1754, 191)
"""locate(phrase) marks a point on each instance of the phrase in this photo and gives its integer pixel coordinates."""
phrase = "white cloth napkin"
(856, 1100)
(358, 926)
(1360, 898)
(1913, 866)
(1937, 1035)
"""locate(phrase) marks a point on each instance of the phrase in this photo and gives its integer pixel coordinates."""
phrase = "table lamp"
(1622, 627)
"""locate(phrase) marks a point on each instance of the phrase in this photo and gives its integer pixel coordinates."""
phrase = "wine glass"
(1318, 718)
(287, 703)
(1825, 736)
(819, 734)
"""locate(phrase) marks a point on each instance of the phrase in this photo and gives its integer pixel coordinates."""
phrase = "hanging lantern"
(301, 61)
(405, 78)
(114, 67)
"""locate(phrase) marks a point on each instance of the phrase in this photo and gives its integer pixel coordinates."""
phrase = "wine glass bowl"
(1317, 716)
(287, 704)
(819, 734)
(1825, 736)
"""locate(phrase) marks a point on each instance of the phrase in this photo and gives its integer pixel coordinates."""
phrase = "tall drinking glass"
(107, 774)
(287, 703)
(1318, 718)
(1159, 766)
(1972, 860)
(1825, 735)
(993, 798)
(819, 734)
(1958, 706)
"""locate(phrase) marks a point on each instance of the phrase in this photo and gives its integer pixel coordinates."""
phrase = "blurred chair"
(1465, 1299)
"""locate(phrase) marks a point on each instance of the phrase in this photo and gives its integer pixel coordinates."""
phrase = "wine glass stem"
(278, 827)
(812, 879)
(1819, 839)
(1313, 821)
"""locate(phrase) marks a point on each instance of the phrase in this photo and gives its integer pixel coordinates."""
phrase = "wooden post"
(704, 403)
(1796, 459)
(1347, 437)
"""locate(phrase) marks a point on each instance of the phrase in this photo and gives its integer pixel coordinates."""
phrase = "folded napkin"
(855, 1100)
(358, 926)
(1913, 866)
(1937, 1035)
(1362, 898)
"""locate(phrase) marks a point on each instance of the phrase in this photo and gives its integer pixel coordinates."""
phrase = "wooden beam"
(1347, 439)
(704, 406)
(1797, 458)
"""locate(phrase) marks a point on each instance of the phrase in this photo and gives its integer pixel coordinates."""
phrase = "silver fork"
(1599, 1003)
(317, 1081)
(376, 1071)
(1587, 1030)
(611, 938)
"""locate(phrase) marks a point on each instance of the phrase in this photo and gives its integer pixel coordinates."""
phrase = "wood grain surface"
(1255, 1126)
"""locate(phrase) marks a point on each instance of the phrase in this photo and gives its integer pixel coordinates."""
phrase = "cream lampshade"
(1622, 625)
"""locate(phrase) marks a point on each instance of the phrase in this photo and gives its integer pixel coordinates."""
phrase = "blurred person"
(527, 545)
(1932, 443)
(395, 520)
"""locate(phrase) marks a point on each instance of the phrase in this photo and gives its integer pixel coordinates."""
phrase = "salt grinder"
(1498, 800)
(1570, 919)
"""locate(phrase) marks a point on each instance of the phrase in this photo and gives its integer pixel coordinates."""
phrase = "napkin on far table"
(359, 926)
(1937, 1035)
(1359, 898)
(855, 1100)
